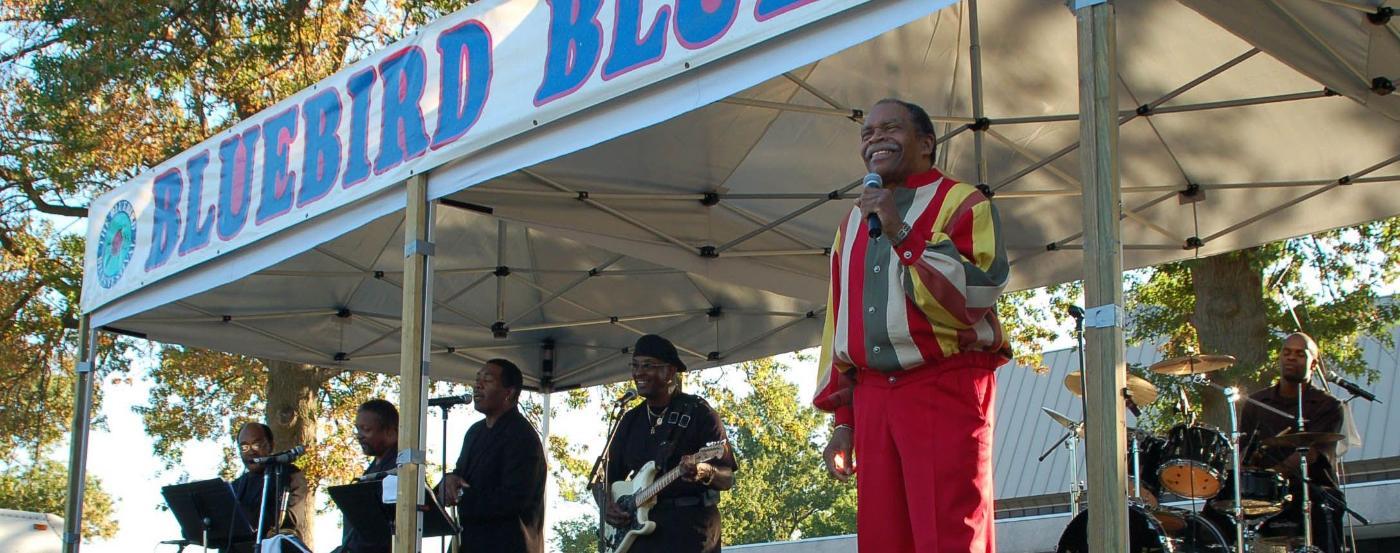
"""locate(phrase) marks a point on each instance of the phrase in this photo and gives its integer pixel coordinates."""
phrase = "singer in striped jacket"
(911, 343)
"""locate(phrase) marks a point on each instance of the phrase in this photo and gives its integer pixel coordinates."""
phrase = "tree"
(42, 488)
(91, 94)
(1243, 303)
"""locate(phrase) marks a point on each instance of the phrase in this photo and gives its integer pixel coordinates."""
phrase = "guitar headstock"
(711, 451)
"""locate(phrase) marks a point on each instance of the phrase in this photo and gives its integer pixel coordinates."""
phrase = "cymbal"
(1142, 391)
(1063, 420)
(1192, 364)
(1300, 439)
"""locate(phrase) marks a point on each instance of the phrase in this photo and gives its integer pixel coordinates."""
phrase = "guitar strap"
(678, 420)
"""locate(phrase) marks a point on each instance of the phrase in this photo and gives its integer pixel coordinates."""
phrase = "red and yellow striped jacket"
(931, 298)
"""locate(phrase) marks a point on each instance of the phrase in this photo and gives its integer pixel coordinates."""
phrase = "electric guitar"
(637, 495)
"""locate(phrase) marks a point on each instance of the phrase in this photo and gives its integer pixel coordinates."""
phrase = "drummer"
(1322, 413)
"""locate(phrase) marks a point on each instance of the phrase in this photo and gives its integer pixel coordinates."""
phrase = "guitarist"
(669, 425)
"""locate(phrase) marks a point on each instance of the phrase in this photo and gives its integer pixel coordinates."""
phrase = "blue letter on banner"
(278, 182)
(466, 79)
(196, 234)
(320, 163)
(402, 134)
(236, 181)
(165, 196)
(630, 49)
(768, 9)
(575, 41)
(357, 167)
(697, 26)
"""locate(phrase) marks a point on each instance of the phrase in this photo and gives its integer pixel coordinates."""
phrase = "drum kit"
(1196, 462)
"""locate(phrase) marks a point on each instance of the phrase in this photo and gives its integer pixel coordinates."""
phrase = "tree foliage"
(1243, 303)
(42, 488)
(93, 93)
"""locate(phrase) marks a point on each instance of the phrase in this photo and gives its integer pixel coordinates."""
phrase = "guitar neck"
(657, 485)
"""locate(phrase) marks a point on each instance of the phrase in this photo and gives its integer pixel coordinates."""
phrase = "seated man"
(377, 430)
(255, 440)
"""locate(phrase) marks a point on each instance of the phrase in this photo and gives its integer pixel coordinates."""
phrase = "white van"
(26, 532)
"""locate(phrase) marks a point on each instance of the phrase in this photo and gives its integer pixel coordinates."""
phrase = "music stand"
(365, 511)
(208, 513)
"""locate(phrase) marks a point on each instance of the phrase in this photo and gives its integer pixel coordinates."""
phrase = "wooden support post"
(413, 378)
(1103, 277)
(78, 441)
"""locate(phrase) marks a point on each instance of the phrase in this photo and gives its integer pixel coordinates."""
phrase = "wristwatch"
(901, 235)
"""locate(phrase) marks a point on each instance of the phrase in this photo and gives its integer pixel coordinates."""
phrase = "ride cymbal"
(1300, 439)
(1192, 364)
(1140, 390)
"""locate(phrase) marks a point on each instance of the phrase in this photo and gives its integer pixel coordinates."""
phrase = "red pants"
(923, 448)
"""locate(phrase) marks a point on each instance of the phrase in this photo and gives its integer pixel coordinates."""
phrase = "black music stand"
(365, 511)
(208, 513)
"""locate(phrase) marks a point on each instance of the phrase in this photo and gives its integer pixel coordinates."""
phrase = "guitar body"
(637, 495)
(619, 540)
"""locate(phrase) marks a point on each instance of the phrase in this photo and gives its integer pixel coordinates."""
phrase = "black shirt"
(248, 489)
(687, 519)
(1323, 413)
(502, 508)
(351, 541)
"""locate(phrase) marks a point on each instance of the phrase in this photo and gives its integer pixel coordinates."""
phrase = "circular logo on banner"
(116, 243)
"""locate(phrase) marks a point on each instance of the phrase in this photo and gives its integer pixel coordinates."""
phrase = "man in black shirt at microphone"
(498, 482)
(255, 442)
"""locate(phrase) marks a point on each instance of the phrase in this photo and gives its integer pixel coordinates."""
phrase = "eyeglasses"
(248, 447)
(647, 366)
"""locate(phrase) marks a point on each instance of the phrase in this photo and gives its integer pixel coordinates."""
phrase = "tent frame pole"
(78, 445)
(413, 377)
(978, 110)
(1103, 282)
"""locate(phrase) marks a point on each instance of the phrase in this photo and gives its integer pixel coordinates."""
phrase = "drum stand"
(1303, 451)
(1076, 487)
(1232, 394)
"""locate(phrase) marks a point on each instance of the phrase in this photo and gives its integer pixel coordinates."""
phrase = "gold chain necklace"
(658, 416)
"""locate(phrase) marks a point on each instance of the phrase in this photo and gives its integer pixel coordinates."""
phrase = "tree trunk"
(1230, 318)
(292, 411)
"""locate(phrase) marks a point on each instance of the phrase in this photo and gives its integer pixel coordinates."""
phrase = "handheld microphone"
(282, 457)
(1350, 386)
(629, 396)
(451, 401)
(872, 221)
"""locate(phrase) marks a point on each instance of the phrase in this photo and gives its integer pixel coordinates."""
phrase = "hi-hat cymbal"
(1142, 391)
(1192, 364)
(1301, 439)
(1063, 420)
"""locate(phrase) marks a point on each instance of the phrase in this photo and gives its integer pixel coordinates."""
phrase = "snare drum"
(1262, 493)
(1194, 461)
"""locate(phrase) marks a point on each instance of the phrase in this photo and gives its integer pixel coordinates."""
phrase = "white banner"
(487, 73)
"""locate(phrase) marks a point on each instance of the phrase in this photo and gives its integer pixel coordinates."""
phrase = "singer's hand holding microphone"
(877, 207)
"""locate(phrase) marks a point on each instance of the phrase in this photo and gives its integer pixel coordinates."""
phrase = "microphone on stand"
(626, 397)
(281, 457)
(872, 221)
(1076, 311)
(1350, 386)
(450, 401)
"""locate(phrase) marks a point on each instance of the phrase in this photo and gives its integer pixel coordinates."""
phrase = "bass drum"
(1165, 530)
(1145, 534)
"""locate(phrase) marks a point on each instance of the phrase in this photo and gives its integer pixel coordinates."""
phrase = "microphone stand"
(268, 480)
(601, 494)
(446, 409)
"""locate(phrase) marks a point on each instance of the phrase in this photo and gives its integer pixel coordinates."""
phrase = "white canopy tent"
(717, 173)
